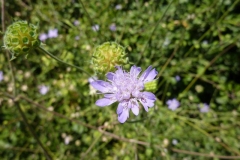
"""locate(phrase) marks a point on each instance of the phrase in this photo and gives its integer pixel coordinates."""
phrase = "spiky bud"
(107, 56)
(21, 37)
(151, 86)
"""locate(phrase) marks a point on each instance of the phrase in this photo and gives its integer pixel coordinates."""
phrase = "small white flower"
(174, 142)
(95, 27)
(67, 139)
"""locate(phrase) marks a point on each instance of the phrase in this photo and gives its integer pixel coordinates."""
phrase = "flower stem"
(32, 132)
(59, 60)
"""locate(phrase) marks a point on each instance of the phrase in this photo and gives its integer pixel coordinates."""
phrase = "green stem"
(155, 28)
(17, 105)
(32, 132)
(200, 74)
(59, 60)
(210, 29)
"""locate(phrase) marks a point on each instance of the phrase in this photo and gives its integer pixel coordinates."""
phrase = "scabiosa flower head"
(204, 108)
(107, 56)
(21, 37)
(127, 89)
(173, 104)
(53, 33)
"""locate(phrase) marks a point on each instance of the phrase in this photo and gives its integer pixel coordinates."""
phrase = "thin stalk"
(59, 60)
(32, 132)
(155, 28)
(220, 19)
(168, 61)
(2, 11)
(89, 18)
(199, 75)
(14, 89)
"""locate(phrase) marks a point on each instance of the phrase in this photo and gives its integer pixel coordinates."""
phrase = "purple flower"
(77, 38)
(127, 89)
(173, 104)
(43, 36)
(113, 27)
(178, 78)
(52, 33)
(1, 76)
(43, 89)
(95, 27)
(174, 142)
(118, 7)
(76, 22)
(204, 108)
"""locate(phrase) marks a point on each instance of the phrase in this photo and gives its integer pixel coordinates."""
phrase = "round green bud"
(151, 86)
(21, 37)
(107, 56)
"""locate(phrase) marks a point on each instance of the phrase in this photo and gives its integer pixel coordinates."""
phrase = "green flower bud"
(151, 86)
(107, 56)
(20, 38)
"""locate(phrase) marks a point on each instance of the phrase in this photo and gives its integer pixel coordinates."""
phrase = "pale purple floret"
(178, 78)
(95, 27)
(43, 36)
(113, 27)
(173, 104)
(76, 22)
(127, 89)
(43, 89)
(77, 38)
(204, 108)
(52, 33)
(118, 7)
(1, 76)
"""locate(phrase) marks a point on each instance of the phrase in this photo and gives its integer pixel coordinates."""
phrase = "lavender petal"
(151, 75)
(135, 107)
(149, 95)
(120, 108)
(104, 102)
(123, 116)
(110, 76)
(134, 71)
(101, 86)
(145, 73)
(146, 103)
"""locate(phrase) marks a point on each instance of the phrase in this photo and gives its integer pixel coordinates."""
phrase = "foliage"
(193, 44)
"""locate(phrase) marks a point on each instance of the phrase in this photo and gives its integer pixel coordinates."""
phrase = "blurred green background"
(193, 44)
